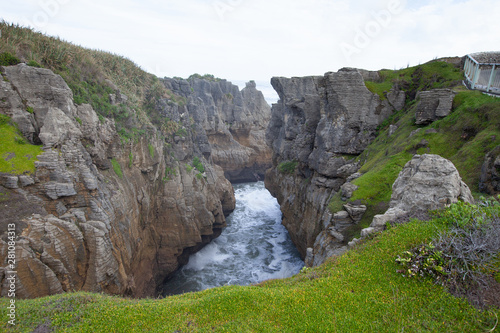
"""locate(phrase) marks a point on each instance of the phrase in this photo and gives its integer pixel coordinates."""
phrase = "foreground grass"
(358, 292)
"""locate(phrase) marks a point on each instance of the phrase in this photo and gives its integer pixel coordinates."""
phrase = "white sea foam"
(253, 248)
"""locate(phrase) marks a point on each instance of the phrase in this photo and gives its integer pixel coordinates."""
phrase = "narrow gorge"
(114, 210)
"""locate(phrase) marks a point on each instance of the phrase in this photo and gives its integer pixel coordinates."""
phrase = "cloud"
(255, 39)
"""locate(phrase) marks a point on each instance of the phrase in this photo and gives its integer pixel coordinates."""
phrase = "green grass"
(117, 168)
(17, 156)
(358, 292)
(432, 75)
(151, 150)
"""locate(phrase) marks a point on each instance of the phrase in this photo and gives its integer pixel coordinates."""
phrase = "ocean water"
(254, 247)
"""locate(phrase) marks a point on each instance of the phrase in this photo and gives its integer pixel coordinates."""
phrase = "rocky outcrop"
(433, 105)
(319, 124)
(99, 213)
(427, 182)
(231, 122)
(490, 173)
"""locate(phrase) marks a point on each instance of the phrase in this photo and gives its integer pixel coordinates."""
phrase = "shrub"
(130, 160)
(287, 167)
(465, 257)
(169, 173)
(198, 165)
(30, 109)
(7, 59)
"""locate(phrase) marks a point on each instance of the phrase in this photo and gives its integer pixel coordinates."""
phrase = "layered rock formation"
(104, 215)
(433, 105)
(317, 127)
(233, 124)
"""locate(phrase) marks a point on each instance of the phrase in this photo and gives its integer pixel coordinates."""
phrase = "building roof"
(486, 57)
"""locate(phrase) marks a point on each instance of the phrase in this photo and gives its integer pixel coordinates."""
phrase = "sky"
(243, 40)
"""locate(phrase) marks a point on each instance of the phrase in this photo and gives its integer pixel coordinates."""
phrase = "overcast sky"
(242, 40)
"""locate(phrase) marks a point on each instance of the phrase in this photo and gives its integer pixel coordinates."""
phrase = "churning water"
(254, 247)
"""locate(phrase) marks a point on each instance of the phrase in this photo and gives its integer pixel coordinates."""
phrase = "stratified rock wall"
(319, 125)
(231, 122)
(101, 214)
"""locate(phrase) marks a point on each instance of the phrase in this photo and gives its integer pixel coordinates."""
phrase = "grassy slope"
(473, 112)
(358, 292)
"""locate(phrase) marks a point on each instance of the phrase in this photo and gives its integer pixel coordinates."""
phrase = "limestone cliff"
(100, 213)
(317, 127)
(231, 124)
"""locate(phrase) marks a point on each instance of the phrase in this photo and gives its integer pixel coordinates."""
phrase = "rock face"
(319, 124)
(427, 182)
(433, 105)
(98, 214)
(490, 173)
(232, 122)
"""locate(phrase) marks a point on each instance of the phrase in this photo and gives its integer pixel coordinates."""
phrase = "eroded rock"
(433, 105)
(427, 182)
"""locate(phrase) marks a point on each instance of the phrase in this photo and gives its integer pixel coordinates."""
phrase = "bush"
(7, 59)
(287, 167)
(198, 165)
(465, 257)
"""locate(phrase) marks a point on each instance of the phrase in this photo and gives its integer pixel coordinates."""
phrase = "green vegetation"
(432, 75)
(360, 291)
(151, 150)
(30, 109)
(78, 120)
(17, 156)
(464, 137)
(7, 59)
(92, 76)
(117, 168)
(287, 167)
(130, 160)
(33, 63)
(208, 77)
(169, 173)
(189, 168)
(198, 165)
